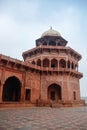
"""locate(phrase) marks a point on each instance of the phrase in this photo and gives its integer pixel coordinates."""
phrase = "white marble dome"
(51, 32)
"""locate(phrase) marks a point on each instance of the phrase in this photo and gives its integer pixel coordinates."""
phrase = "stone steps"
(11, 104)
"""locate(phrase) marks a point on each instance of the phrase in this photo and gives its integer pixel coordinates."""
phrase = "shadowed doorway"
(11, 89)
(54, 92)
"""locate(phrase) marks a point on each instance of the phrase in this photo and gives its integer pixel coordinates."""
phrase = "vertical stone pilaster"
(41, 63)
(58, 65)
(23, 87)
(77, 68)
(1, 91)
(50, 63)
(2, 83)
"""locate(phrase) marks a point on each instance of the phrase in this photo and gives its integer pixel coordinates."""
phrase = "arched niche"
(11, 89)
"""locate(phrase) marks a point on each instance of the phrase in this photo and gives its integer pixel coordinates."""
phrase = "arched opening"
(39, 62)
(11, 89)
(54, 63)
(68, 64)
(46, 63)
(54, 92)
(44, 43)
(52, 43)
(76, 67)
(33, 62)
(62, 63)
(72, 65)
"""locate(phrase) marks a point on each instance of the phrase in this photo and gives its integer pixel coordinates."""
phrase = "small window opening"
(27, 95)
(74, 95)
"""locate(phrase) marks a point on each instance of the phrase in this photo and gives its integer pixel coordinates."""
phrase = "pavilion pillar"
(58, 65)
(50, 63)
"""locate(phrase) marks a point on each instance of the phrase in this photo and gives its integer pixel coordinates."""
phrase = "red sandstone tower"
(58, 64)
(48, 75)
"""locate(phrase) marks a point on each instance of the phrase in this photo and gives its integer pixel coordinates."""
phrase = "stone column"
(1, 91)
(2, 83)
(70, 66)
(23, 88)
(22, 94)
(41, 63)
(58, 64)
(77, 68)
(50, 63)
(66, 62)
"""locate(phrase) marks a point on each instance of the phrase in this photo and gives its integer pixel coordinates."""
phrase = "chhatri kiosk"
(48, 75)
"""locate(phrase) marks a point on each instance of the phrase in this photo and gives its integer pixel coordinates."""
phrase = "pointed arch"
(45, 43)
(62, 63)
(54, 92)
(52, 43)
(33, 62)
(54, 63)
(39, 62)
(11, 89)
(72, 65)
(76, 67)
(46, 62)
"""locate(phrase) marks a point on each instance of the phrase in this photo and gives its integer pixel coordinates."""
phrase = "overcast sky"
(23, 21)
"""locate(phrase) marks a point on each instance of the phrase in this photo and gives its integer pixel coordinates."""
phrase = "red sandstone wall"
(33, 83)
(73, 86)
(13, 73)
(30, 80)
(39, 84)
(5, 74)
(68, 85)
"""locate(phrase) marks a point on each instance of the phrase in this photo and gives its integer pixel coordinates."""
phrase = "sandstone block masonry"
(48, 76)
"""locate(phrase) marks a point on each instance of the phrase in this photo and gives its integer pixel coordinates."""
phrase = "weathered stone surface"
(48, 75)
